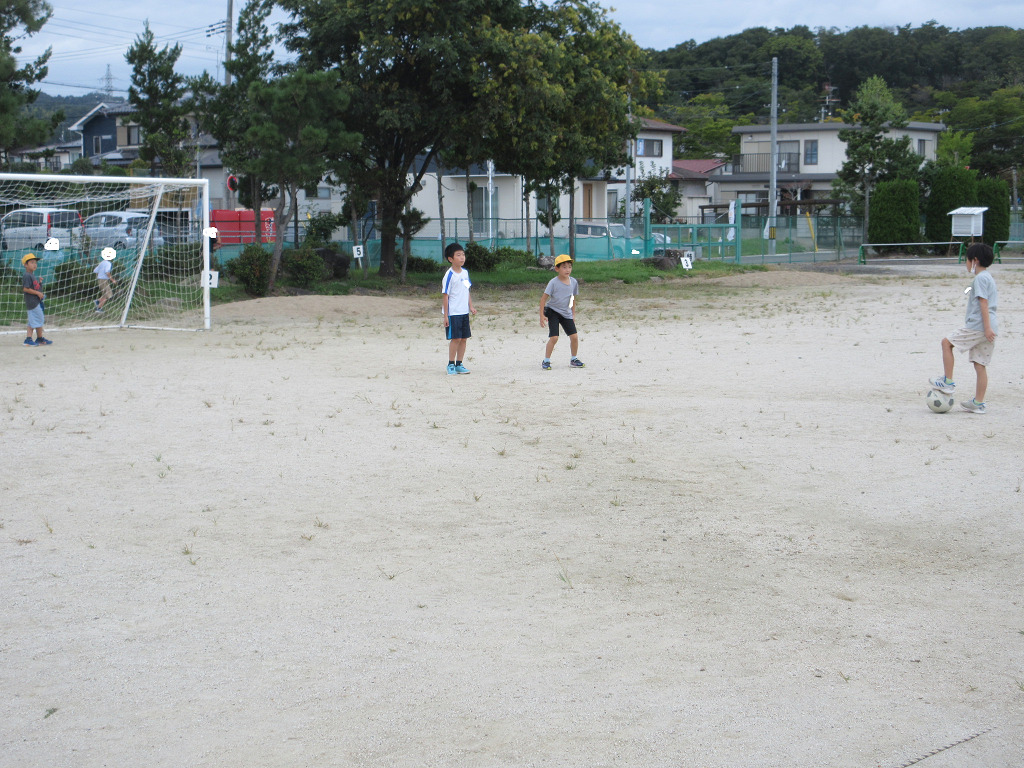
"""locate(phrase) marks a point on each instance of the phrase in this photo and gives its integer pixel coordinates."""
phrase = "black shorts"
(555, 320)
(458, 327)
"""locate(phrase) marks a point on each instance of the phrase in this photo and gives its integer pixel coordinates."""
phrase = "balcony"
(761, 163)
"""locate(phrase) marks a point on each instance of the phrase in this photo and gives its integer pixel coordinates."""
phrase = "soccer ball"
(938, 401)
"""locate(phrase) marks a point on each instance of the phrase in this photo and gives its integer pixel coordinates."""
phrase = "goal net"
(149, 230)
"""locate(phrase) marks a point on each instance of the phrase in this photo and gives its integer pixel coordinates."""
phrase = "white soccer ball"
(938, 401)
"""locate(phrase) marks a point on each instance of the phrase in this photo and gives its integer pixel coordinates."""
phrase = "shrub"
(512, 258)
(420, 264)
(995, 195)
(952, 187)
(72, 280)
(251, 268)
(479, 258)
(304, 266)
(895, 216)
(320, 227)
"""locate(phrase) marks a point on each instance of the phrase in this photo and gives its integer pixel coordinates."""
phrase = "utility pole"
(227, 44)
(774, 173)
(629, 168)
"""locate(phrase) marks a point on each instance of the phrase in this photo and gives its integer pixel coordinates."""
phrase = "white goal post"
(160, 262)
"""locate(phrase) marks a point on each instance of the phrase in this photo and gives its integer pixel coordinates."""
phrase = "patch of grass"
(610, 273)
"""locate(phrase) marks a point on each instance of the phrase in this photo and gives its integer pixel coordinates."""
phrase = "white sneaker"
(973, 407)
(939, 382)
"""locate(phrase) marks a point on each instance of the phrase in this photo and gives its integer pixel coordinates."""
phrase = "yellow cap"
(562, 258)
(27, 258)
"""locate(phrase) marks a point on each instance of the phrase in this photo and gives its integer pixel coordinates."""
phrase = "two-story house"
(809, 159)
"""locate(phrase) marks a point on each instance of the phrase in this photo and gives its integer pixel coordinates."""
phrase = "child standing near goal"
(456, 307)
(558, 310)
(104, 278)
(978, 335)
(32, 287)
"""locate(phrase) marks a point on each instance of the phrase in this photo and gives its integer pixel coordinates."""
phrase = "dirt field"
(737, 538)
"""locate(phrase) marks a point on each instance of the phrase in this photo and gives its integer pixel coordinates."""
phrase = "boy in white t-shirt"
(456, 307)
(104, 278)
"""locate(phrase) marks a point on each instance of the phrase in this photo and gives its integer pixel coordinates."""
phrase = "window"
(922, 147)
(134, 135)
(648, 147)
(97, 145)
(613, 202)
(810, 152)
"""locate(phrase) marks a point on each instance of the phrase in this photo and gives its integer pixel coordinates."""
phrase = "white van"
(32, 227)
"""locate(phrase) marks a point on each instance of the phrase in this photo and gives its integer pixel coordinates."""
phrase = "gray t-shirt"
(560, 296)
(983, 287)
(28, 280)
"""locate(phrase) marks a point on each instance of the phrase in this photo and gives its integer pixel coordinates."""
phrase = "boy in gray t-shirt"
(558, 310)
(978, 335)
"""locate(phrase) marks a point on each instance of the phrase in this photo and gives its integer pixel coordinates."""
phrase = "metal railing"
(761, 162)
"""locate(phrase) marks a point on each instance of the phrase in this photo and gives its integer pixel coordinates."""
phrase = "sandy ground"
(737, 538)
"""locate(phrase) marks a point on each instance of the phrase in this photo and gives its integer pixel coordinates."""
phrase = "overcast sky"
(88, 37)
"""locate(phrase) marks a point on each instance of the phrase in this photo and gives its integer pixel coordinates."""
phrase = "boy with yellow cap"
(558, 310)
(33, 290)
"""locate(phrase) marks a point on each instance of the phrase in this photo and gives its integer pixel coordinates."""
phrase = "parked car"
(602, 229)
(32, 227)
(120, 230)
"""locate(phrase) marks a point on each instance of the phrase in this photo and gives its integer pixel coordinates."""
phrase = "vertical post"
(629, 169)
(204, 201)
(227, 45)
(647, 228)
(774, 179)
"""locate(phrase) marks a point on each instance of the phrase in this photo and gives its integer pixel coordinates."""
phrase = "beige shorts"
(978, 348)
(105, 292)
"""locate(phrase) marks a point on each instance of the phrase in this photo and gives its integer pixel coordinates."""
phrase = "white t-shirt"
(103, 270)
(456, 285)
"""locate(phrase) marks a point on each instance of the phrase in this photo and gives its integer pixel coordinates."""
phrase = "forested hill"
(970, 79)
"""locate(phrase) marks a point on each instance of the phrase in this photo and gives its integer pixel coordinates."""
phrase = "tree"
(16, 94)
(871, 155)
(157, 94)
(300, 129)
(226, 112)
(954, 148)
(413, 71)
(560, 102)
(665, 197)
(709, 127)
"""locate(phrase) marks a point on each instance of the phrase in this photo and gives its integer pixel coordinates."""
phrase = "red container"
(235, 227)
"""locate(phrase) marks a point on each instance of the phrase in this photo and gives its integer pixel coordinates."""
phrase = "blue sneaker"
(939, 382)
(576, 363)
(40, 341)
(546, 365)
(460, 368)
(451, 369)
(30, 343)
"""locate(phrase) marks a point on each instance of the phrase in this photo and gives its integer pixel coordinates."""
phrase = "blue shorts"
(555, 320)
(458, 327)
(35, 318)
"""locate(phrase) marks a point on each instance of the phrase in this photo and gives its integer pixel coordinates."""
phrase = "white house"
(810, 156)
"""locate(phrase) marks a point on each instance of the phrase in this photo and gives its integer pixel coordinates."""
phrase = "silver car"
(32, 227)
(120, 230)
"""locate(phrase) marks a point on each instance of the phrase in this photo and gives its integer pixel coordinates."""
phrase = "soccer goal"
(150, 230)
